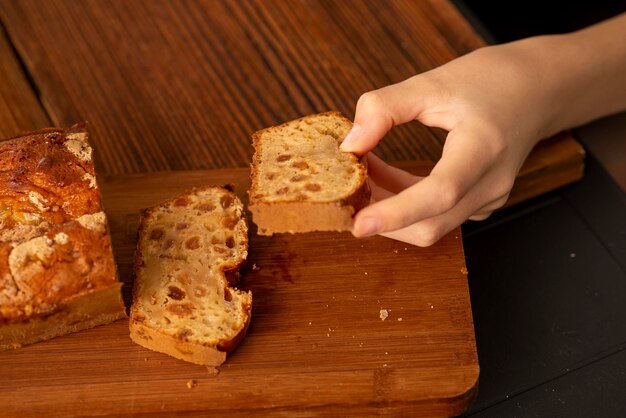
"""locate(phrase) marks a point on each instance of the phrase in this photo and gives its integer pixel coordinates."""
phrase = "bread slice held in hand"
(301, 181)
(188, 253)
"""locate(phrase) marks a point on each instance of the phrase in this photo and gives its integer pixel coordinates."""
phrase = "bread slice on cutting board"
(188, 250)
(301, 181)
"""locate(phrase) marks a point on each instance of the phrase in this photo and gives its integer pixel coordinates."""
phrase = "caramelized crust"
(55, 250)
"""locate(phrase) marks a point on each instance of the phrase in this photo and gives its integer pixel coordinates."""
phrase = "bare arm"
(496, 103)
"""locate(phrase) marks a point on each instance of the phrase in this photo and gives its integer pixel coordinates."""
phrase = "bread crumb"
(386, 353)
(145, 359)
(399, 319)
(213, 371)
(572, 255)
(191, 384)
(384, 313)
(385, 365)
(464, 270)
(366, 273)
(395, 251)
(310, 322)
(328, 334)
(255, 267)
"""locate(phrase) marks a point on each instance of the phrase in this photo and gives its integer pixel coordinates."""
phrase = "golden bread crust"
(55, 250)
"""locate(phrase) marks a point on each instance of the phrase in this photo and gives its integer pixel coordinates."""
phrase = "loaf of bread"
(301, 181)
(187, 258)
(57, 273)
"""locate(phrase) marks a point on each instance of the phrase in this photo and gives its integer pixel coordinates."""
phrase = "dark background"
(506, 21)
(548, 277)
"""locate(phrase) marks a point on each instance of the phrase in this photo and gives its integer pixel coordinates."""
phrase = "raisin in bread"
(57, 273)
(187, 257)
(301, 181)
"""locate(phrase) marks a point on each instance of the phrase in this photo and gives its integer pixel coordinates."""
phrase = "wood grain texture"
(316, 345)
(20, 109)
(150, 76)
(182, 85)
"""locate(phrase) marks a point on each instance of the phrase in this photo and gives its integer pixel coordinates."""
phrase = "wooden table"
(173, 86)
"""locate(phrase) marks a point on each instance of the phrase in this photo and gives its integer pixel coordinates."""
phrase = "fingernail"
(367, 227)
(350, 139)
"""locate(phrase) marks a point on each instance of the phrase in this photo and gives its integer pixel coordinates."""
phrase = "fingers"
(391, 178)
(460, 168)
(379, 193)
(486, 211)
(418, 202)
(468, 154)
(428, 231)
(379, 110)
(431, 230)
(480, 216)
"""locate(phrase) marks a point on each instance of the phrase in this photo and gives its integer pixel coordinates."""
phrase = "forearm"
(586, 74)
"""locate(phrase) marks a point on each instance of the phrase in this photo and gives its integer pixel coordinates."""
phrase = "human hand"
(496, 103)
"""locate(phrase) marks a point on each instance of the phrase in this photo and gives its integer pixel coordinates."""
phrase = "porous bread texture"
(183, 304)
(301, 181)
(57, 273)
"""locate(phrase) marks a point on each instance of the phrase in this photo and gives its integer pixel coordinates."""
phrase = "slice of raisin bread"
(57, 273)
(301, 181)
(187, 257)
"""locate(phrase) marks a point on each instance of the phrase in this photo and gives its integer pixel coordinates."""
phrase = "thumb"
(377, 111)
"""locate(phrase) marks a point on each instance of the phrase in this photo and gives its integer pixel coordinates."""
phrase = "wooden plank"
(19, 107)
(182, 85)
(316, 346)
(153, 76)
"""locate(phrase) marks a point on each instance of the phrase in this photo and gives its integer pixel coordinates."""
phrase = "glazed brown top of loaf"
(54, 243)
(300, 161)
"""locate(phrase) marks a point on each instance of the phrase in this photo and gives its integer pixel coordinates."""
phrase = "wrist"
(581, 73)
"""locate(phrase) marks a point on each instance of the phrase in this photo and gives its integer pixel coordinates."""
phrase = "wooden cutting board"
(317, 344)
